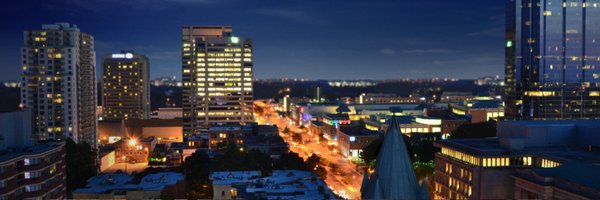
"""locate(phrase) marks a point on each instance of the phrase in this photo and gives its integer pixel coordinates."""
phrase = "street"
(345, 180)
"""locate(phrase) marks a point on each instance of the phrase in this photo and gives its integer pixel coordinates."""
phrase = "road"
(346, 182)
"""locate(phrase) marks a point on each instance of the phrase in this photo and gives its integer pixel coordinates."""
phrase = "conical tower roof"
(342, 108)
(378, 194)
(365, 182)
(394, 171)
(423, 191)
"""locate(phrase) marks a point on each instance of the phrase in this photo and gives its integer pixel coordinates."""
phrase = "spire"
(365, 182)
(342, 108)
(423, 191)
(394, 171)
(377, 194)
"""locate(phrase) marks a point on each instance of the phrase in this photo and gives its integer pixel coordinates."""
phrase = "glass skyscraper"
(553, 59)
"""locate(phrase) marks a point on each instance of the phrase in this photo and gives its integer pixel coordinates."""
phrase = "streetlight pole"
(125, 159)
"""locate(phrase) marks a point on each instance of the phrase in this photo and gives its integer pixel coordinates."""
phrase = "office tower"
(217, 78)
(529, 159)
(552, 59)
(58, 82)
(125, 86)
(315, 93)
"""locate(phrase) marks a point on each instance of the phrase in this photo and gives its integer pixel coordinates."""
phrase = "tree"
(476, 130)
(197, 171)
(233, 158)
(424, 151)
(80, 164)
(321, 172)
(371, 151)
(289, 161)
(314, 163)
(334, 168)
(286, 130)
(297, 137)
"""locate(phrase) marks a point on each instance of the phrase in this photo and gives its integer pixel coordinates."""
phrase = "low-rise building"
(169, 113)
(228, 134)
(353, 138)
(130, 150)
(107, 158)
(274, 146)
(166, 131)
(386, 98)
(479, 109)
(239, 134)
(122, 186)
(281, 184)
(29, 169)
(501, 167)
(455, 97)
(568, 181)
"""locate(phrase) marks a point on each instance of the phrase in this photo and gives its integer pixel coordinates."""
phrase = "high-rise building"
(125, 86)
(552, 59)
(59, 82)
(217, 78)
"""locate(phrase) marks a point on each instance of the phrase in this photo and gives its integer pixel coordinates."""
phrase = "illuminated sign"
(235, 40)
(122, 55)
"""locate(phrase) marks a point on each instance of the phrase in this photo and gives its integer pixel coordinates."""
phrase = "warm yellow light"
(132, 142)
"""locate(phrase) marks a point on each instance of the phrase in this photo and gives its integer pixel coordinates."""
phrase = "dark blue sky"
(314, 39)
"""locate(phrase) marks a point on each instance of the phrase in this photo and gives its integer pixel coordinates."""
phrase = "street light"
(132, 142)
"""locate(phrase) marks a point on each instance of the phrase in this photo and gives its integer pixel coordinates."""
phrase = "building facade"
(386, 98)
(552, 59)
(29, 169)
(59, 82)
(500, 168)
(125, 86)
(38, 173)
(217, 78)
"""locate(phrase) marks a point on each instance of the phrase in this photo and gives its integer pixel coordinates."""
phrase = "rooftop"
(40, 147)
(226, 178)
(120, 181)
(563, 140)
(281, 184)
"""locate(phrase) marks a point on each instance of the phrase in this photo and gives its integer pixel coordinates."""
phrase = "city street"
(345, 180)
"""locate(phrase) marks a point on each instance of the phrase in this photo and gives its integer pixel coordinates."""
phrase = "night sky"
(320, 39)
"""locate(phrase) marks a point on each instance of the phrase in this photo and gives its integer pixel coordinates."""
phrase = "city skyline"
(297, 38)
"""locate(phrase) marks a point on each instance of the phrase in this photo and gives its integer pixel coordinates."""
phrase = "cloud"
(422, 51)
(491, 32)
(387, 51)
(294, 15)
